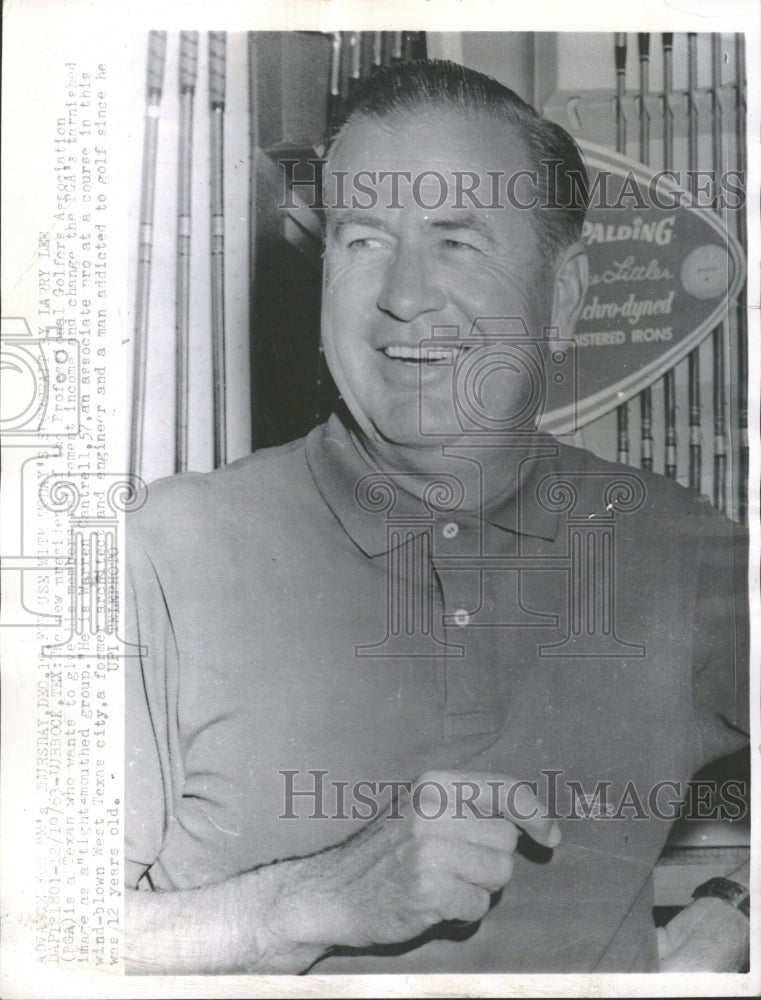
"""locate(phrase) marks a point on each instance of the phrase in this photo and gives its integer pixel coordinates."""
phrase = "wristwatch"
(724, 888)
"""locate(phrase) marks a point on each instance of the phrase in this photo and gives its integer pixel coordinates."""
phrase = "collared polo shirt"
(310, 631)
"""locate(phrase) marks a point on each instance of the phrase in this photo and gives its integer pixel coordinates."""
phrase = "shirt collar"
(345, 476)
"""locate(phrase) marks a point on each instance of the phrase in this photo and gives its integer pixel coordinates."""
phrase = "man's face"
(396, 270)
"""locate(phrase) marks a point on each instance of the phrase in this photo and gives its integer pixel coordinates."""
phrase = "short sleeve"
(721, 677)
(148, 738)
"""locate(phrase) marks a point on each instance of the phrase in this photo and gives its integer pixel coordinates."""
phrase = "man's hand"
(388, 883)
(707, 936)
(710, 935)
(400, 876)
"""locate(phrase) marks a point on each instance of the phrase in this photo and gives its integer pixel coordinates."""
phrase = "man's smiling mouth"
(427, 355)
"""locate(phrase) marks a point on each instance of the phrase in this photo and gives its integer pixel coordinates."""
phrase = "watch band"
(724, 888)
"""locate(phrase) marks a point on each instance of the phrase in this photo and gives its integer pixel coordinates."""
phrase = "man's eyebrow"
(336, 223)
(460, 222)
(467, 221)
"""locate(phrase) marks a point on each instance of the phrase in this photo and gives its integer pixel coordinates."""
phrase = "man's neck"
(487, 469)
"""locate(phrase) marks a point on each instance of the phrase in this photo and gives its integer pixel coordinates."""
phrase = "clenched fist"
(439, 854)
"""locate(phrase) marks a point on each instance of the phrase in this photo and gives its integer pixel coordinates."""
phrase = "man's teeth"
(403, 352)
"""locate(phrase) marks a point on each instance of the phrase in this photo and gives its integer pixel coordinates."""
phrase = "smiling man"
(428, 253)
(387, 718)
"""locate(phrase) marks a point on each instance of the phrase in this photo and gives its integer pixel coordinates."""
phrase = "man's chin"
(408, 448)
(398, 436)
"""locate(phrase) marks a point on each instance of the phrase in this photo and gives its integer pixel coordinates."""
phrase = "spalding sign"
(662, 275)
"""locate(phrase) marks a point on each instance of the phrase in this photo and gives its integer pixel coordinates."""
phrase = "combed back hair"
(436, 85)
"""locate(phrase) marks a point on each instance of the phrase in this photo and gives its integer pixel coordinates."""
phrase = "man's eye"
(364, 243)
(459, 245)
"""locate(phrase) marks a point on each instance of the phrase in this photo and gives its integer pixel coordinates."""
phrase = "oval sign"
(662, 273)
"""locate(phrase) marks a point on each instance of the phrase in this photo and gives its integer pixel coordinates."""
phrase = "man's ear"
(570, 289)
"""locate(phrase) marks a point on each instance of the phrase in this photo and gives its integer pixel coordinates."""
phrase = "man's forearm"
(387, 883)
(232, 927)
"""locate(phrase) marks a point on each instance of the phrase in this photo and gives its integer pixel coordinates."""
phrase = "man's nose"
(410, 286)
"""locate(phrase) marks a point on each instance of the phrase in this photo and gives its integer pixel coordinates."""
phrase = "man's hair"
(435, 85)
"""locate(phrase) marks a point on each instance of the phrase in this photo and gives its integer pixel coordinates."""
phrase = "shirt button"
(461, 617)
(450, 530)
